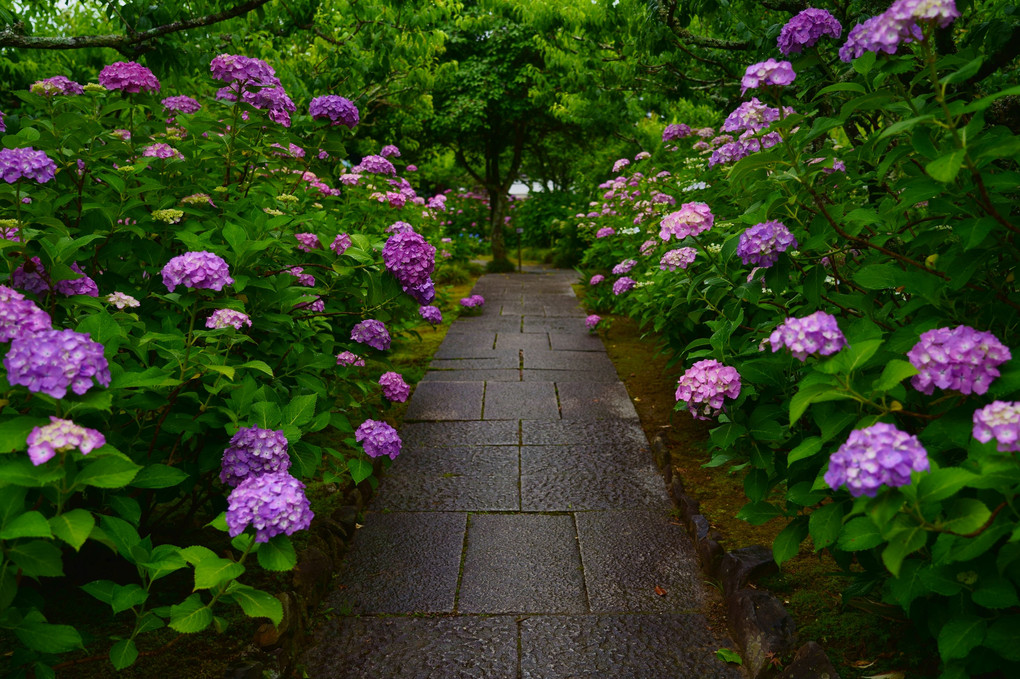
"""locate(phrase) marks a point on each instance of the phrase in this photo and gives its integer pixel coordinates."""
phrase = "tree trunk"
(497, 213)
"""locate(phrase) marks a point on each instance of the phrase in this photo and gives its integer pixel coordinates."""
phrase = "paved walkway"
(524, 531)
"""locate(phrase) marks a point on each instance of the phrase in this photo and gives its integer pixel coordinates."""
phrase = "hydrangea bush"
(848, 249)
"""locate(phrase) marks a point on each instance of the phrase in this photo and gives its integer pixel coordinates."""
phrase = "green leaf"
(945, 168)
(107, 472)
(966, 515)
(859, 533)
(196, 554)
(300, 410)
(127, 596)
(787, 543)
(261, 366)
(164, 560)
(277, 554)
(901, 544)
(895, 371)
(878, 276)
(101, 589)
(31, 524)
(21, 472)
(757, 513)
(159, 476)
(1002, 636)
(236, 237)
(805, 449)
(909, 585)
(255, 603)
(815, 393)
(359, 469)
(725, 434)
(211, 572)
(995, 592)
(190, 616)
(41, 636)
(942, 483)
(123, 654)
(825, 523)
(728, 655)
(151, 377)
(227, 370)
(14, 432)
(37, 558)
(73, 527)
(961, 635)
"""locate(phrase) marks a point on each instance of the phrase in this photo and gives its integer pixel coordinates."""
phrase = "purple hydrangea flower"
(472, 302)
(620, 164)
(315, 305)
(230, 68)
(181, 104)
(690, 220)
(878, 455)
(768, 72)
(19, 316)
(274, 100)
(761, 244)
(423, 293)
(394, 387)
(409, 257)
(373, 333)
(340, 244)
(624, 267)
(3, 126)
(730, 153)
(591, 321)
(197, 270)
(26, 163)
(270, 503)
(128, 76)
(605, 232)
(122, 300)
(50, 361)
(31, 277)
(676, 131)
(705, 385)
(389, 150)
(375, 165)
(338, 110)
(750, 115)
(624, 284)
(59, 436)
(399, 227)
(253, 452)
(347, 358)
(678, 259)
(999, 420)
(378, 438)
(648, 247)
(431, 314)
(307, 241)
(596, 279)
(161, 151)
(805, 29)
(962, 359)
(227, 318)
(817, 333)
(58, 84)
(77, 286)
(305, 279)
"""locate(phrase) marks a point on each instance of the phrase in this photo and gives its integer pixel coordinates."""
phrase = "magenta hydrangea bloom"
(624, 284)
(231, 68)
(378, 438)
(271, 503)
(999, 420)
(878, 455)
(690, 220)
(431, 314)
(705, 386)
(676, 131)
(605, 232)
(271, 99)
(472, 302)
(60, 436)
(197, 270)
(3, 126)
(962, 359)
(624, 267)
(648, 247)
(389, 150)
(253, 452)
(761, 244)
(806, 28)
(394, 388)
(26, 163)
(373, 333)
(750, 115)
(50, 361)
(680, 258)
(305, 279)
(596, 279)
(77, 286)
(227, 318)
(307, 242)
(768, 72)
(817, 333)
(162, 151)
(315, 305)
(58, 84)
(620, 164)
(128, 76)
(409, 257)
(375, 165)
(336, 109)
(19, 316)
(181, 104)
(31, 277)
(399, 227)
(591, 321)
(347, 358)
(422, 293)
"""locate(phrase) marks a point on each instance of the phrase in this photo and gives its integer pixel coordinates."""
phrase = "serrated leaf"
(101, 589)
(942, 483)
(73, 527)
(859, 533)
(787, 543)
(107, 472)
(961, 635)
(277, 554)
(261, 366)
(255, 603)
(123, 654)
(757, 513)
(43, 637)
(15, 430)
(37, 558)
(190, 616)
(127, 596)
(31, 524)
(945, 168)
(825, 523)
(995, 592)
(895, 371)
(211, 572)
(359, 469)
(966, 515)
(728, 655)
(300, 410)
(158, 476)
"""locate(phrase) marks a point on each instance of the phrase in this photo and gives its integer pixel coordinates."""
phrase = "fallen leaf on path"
(660, 591)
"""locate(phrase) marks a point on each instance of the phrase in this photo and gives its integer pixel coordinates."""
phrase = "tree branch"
(785, 5)
(669, 18)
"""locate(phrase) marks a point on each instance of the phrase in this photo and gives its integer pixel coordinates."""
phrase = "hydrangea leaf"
(277, 554)
(190, 616)
(31, 524)
(73, 527)
(123, 654)
(255, 603)
(107, 472)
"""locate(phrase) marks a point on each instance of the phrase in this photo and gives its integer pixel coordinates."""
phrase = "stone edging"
(761, 626)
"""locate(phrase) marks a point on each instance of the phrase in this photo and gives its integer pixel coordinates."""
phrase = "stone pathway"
(524, 532)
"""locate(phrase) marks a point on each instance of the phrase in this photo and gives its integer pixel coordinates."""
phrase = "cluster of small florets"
(336, 109)
(305, 279)
(375, 165)
(347, 358)
(122, 300)
(761, 244)
(307, 242)
(399, 227)
(394, 388)
(592, 321)
(806, 28)
(58, 84)
(431, 314)
(198, 199)
(77, 286)
(678, 259)
(31, 277)
(605, 232)
(10, 230)
(624, 267)
(705, 386)
(19, 316)
(596, 279)
(274, 100)
(620, 164)
(768, 72)
(373, 333)
(227, 318)
(837, 164)
(181, 104)
(750, 115)
(623, 284)
(50, 361)
(271, 503)
(962, 359)
(378, 438)
(128, 76)
(253, 452)
(647, 248)
(690, 220)
(999, 420)
(878, 455)
(231, 68)
(423, 293)
(817, 333)
(409, 257)
(168, 216)
(676, 131)
(389, 150)
(60, 436)
(197, 270)
(898, 24)
(162, 151)
(26, 163)
(472, 302)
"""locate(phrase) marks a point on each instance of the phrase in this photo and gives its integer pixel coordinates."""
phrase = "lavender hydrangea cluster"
(897, 25)
(624, 267)
(605, 232)
(596, 279)
(705, 386)
(676, 131)
(237, 68)
(648, 247)
(31, 277)
(962, 359)
(409, 257)
(307, 242)
(77, 286)
(472, 302)
(305, 279)
(336, 109)
(750, 116)
(227, 318)
(19, 316)
(817, 333)
(761, 244)
(399, 227)
(423, 292)
(378, 438)
(373, 333)
(431, 314)
(690, 220)
(394, 388)
(375, 165)
(252, 452)
(623, 284)
(60, 436)
(389, 150)
(162, 151)
(181, 104)
(50, 361)
(201, 269)
(347, 359)
(271, 503)
(58, 84)
(875, 456)
(678, 259)
(128, 76)
(340, 243)
(592, 321)
(3, 125)
(274, 100)
(26, 163)
(765, 73)
(806, 28)
(999, 420)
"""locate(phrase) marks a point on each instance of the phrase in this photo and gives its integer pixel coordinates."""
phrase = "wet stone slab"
(488, 375)
(543, 324)
(575, 341)
(586, 361)
(567, 376)
(621, 647)
(467, 345)
(580, 432)
(462, 647)
(539, 460)
(402, 562)
(520, 400)
(575, 490)
(584, 401)
(494, 360)
(518, 563)
(627, 554)
(446, 401)
(517, 341)
(568, 310)
(490, 320)
(441, 434)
